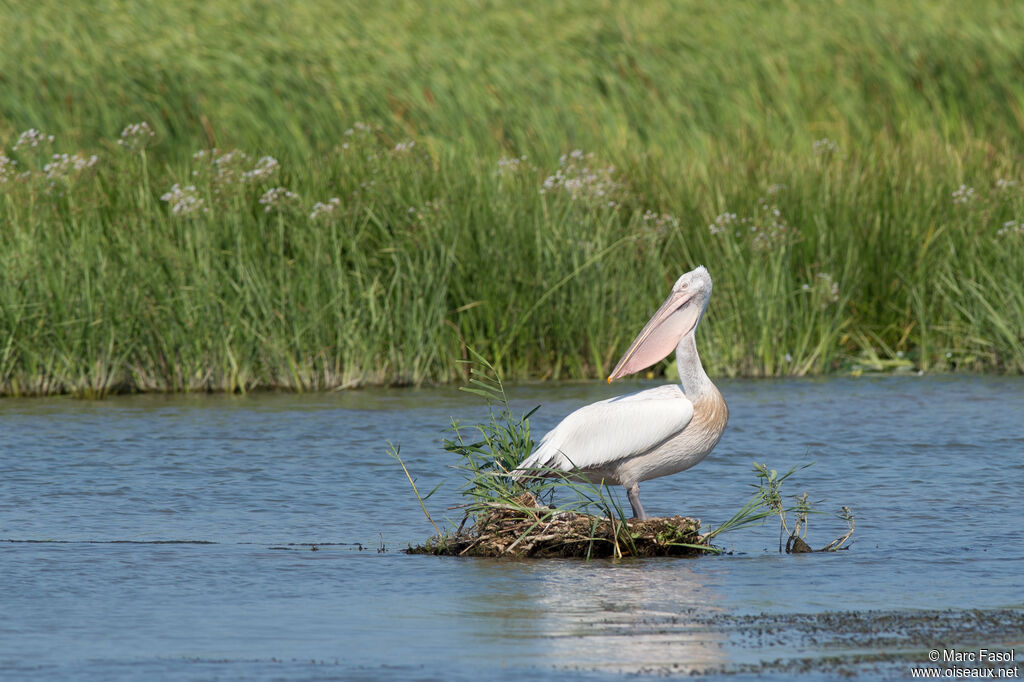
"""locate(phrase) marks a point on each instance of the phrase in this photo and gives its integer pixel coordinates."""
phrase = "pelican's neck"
(691, 373)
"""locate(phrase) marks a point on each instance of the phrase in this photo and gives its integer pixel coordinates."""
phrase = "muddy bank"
(867, 644)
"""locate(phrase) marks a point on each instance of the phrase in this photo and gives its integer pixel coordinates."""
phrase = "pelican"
(651, 433)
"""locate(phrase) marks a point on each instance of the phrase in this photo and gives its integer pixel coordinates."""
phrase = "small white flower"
(278, 199)
(825, 146)
(136, 135)
(963, 194)
(358, 127)
(6, 168)
(509, 165)
(32, 138)
(264, 169)
(660, 222)
(404, 146)
(184, 201)
(579, 180)
(228, 168)
(1004, 184)
(1010, 227)
(64, 166)
(722, 222)
(226, 160)
(825, 287)
(324, 209)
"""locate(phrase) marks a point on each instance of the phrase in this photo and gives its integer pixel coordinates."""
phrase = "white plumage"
(605, 432)
(651, 433)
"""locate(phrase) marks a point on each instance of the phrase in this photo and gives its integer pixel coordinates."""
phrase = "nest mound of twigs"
(527, 529)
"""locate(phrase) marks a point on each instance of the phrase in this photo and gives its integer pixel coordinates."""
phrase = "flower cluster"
(963, 194)
(31, 138)
(324, 209)
(234, 167)
(510, 165)
(404, 146)
(766, 229)
(1003, 183)
(825, 146)
(278, 199)
(722, 223)
(825, 287)
(432, 206)
(136, 136)
(6, 168)
(576, 177)
(184, 201)
(773, 231)
(359, 127)
(1010, 227)
(659, 223)
(263, 170)
(227, 167)
(65, 166)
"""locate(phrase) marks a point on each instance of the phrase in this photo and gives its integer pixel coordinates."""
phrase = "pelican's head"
(678, 316)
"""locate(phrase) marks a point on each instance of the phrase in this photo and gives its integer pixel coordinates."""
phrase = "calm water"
(152, 537)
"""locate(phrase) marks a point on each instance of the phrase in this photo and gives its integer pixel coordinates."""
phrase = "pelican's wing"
(599, 434)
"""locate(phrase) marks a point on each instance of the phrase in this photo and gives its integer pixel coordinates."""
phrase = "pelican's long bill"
(674, 319)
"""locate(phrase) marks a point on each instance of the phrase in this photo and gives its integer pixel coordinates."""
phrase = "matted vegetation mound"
(528, 529)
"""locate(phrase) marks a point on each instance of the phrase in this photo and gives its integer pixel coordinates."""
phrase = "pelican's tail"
(524, 468)
(545, 457)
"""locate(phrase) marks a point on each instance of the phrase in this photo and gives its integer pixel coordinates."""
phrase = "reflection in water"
(623, 616)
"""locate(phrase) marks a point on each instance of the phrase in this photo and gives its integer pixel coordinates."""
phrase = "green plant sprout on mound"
(768, 502)
(549, 513)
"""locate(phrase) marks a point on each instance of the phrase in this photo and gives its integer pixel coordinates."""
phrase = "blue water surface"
(173, 537)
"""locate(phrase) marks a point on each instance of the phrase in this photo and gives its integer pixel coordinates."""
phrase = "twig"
(472, 545)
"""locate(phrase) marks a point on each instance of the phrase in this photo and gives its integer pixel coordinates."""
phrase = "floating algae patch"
(527, 529)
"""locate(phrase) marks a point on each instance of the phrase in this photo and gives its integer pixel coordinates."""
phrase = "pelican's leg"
(633, 493)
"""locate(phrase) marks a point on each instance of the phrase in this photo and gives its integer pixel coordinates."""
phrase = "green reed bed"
(850, 174)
